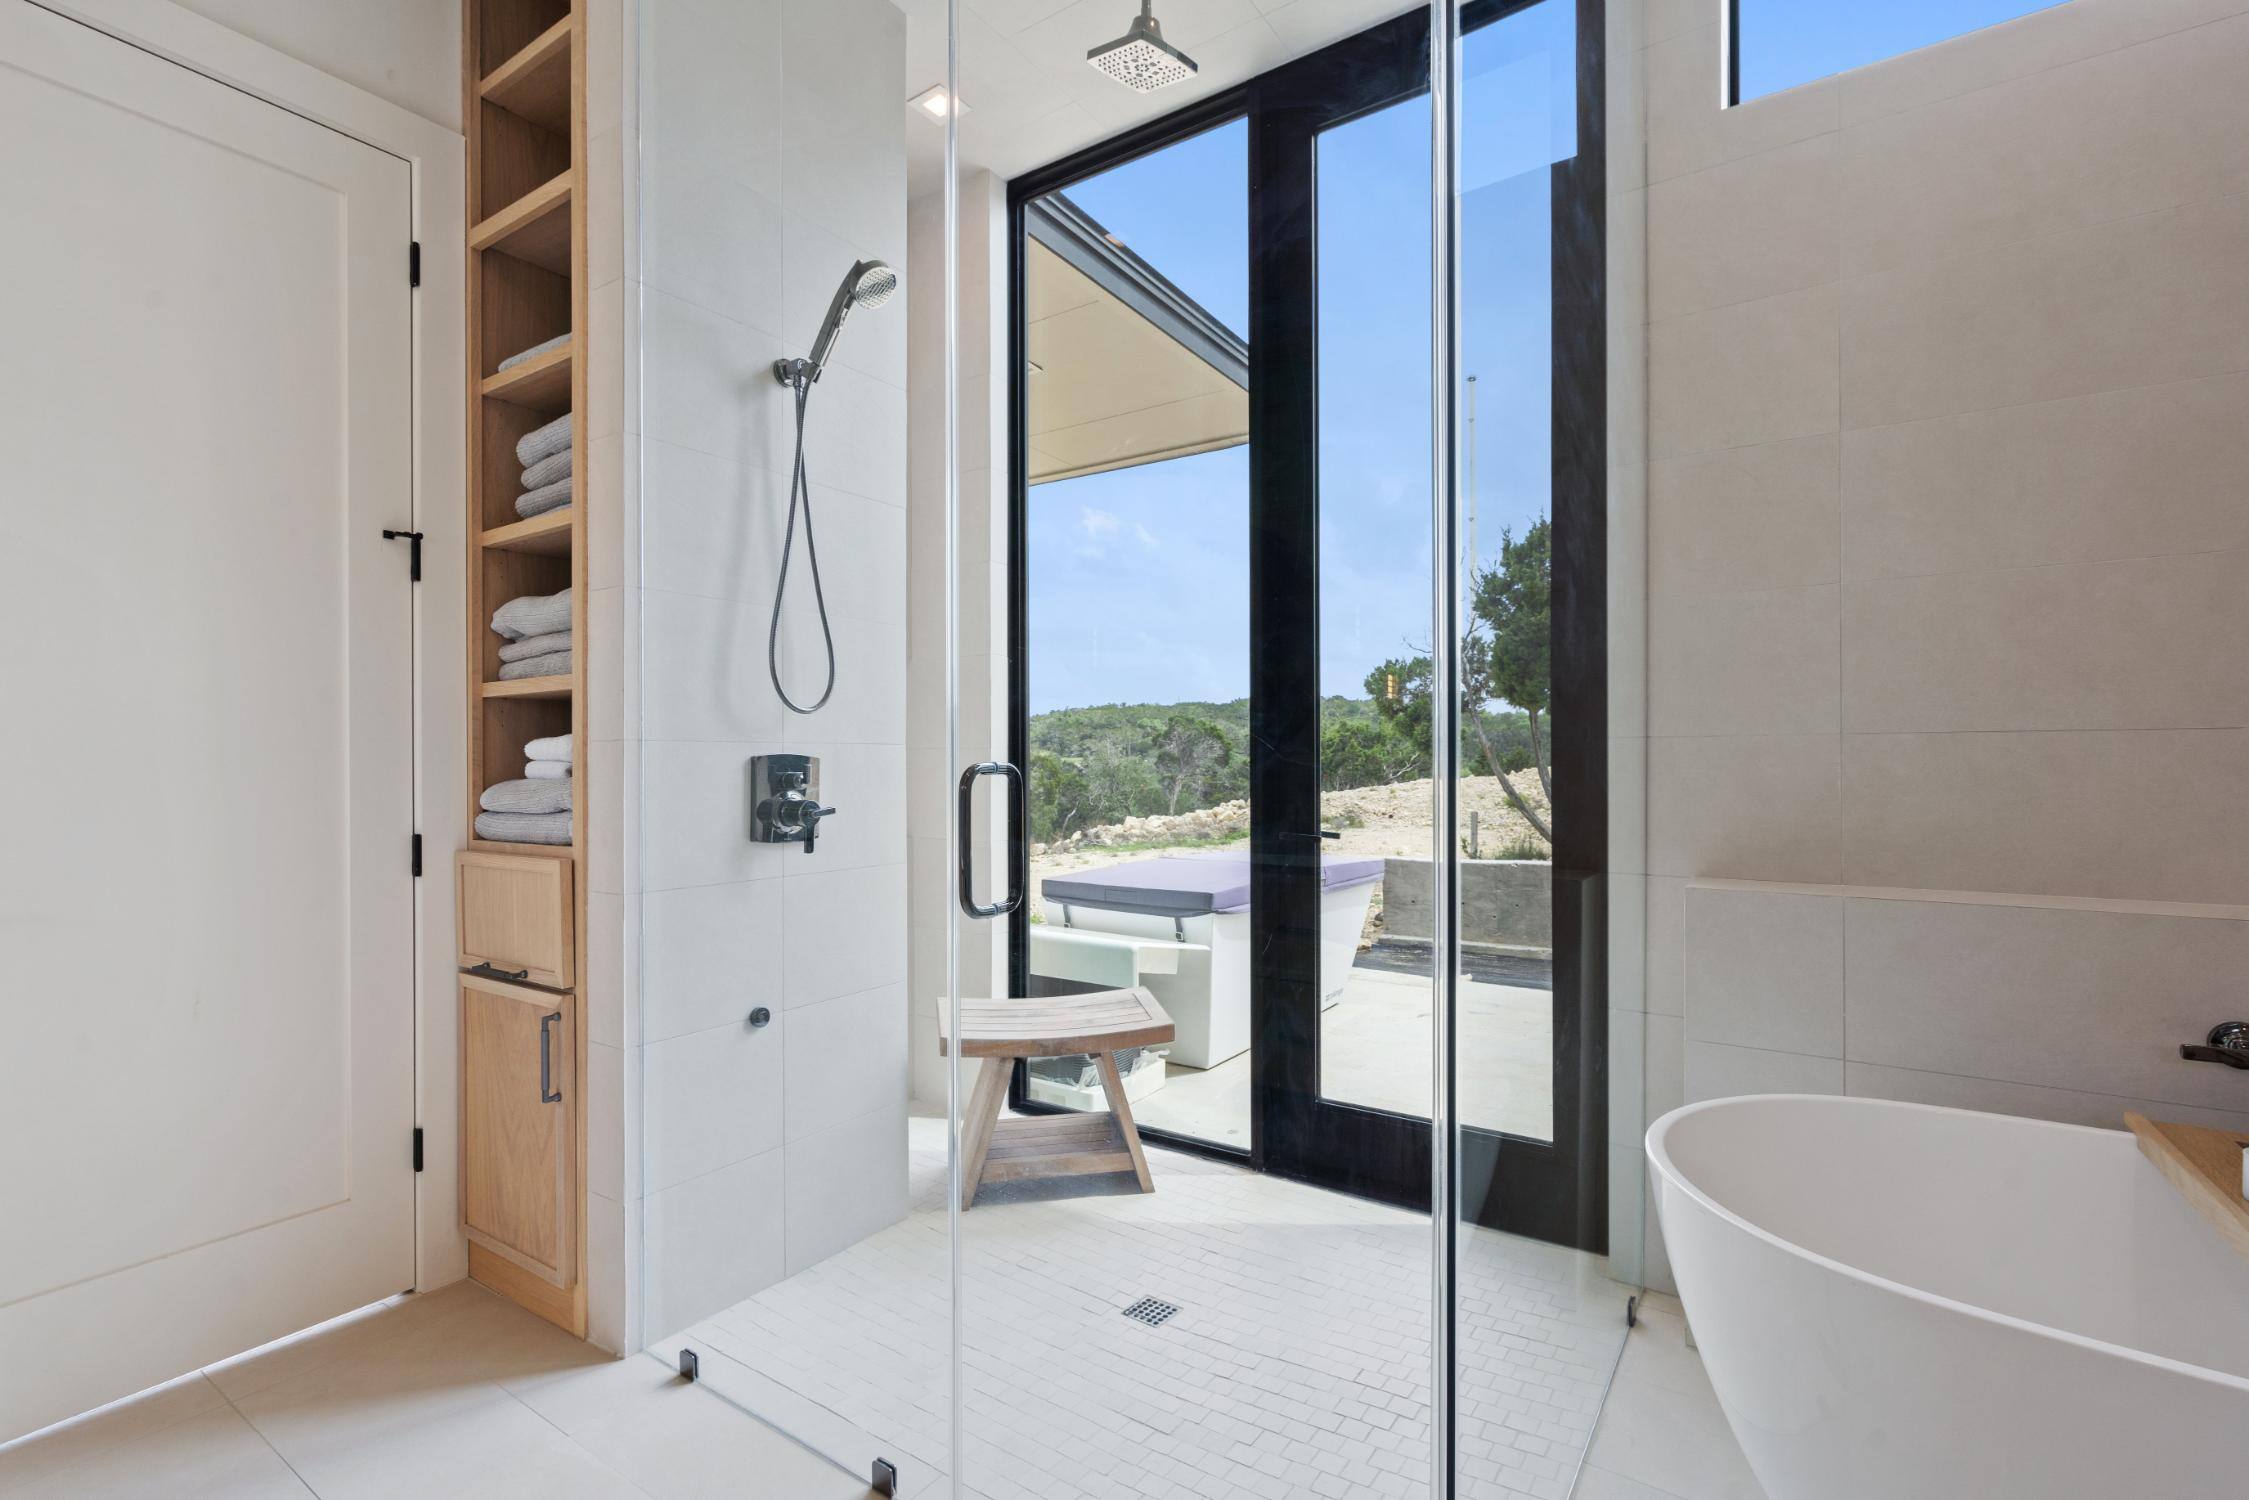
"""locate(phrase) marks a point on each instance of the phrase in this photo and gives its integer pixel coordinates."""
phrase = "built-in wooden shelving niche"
(524, 92)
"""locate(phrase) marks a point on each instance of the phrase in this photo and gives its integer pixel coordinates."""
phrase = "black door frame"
(1552, 1190)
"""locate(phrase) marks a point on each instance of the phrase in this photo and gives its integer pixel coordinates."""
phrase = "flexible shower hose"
(800, 487)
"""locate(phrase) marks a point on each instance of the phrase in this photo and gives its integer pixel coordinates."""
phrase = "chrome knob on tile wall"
(2227, 1043)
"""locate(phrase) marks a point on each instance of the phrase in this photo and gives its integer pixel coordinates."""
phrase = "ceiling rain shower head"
(869, 283)
(1141, 59)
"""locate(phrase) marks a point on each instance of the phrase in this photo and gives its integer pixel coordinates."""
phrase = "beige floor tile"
(1600, 1484)
(498, 1450)
(24, 1463)
(214, 1456)
(682, 1443)
(1662, 1425)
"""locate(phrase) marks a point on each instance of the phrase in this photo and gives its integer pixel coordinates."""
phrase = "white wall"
(770, 154)
(1947, 409)
(405, 51)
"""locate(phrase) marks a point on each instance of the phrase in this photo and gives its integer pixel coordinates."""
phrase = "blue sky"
(1138, 579)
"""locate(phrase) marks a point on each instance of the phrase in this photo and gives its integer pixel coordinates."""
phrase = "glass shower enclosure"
(1117, 587)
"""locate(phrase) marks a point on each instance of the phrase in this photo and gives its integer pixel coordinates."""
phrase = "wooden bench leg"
(1112, 1084)
(978, 1123)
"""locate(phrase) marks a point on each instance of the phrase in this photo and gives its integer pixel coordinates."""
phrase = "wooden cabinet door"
(519, 1102)
(516, 916)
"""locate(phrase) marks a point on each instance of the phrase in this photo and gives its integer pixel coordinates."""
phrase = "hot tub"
(1201, 903)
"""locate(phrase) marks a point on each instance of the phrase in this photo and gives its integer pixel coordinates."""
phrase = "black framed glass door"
(1335, 1084)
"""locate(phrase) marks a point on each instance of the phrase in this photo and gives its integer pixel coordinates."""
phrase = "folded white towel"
(545, 770)
(555, 466)
(532, 353)
(553, 664)
(553, 747)
(526, 796)
(539, 442)
(533, 614)
(524, 828)
(543, 499)
(537, 645)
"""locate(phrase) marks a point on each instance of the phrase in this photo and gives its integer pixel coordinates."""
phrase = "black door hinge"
(414, 263)
(417, 854)
(413, 540)
(417, 1148)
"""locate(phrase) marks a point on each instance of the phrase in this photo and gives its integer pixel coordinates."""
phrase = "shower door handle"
(1021, 802)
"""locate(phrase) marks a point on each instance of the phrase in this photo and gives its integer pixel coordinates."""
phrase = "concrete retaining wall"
(1505, 903)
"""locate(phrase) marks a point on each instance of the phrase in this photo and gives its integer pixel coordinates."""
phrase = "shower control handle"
(785, 806)
(2227, 1043)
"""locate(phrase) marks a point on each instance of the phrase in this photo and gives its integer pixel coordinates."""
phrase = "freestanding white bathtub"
(1898, 1302)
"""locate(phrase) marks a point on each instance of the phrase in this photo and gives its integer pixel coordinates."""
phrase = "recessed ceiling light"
(935, 102)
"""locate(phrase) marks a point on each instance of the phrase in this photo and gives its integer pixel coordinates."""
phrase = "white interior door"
(206, 920)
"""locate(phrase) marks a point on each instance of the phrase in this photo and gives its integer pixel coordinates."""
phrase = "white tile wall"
(1946, 397)
(766, 152)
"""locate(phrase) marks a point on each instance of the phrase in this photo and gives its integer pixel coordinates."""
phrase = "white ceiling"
(1032, 97)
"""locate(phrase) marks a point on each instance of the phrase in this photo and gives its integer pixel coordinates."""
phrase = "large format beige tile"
(1716, 1070)
(1662, 1427)
(498, 1450)
(2122, 133)
(2137, 815)
(2127, 473)
(683, 1449)
(215, 1456)
(1688, 127)
(1764, 662)
(1754, 372)
(2033, 1101)
(1746, 807)
(1666, 938)
(1744, 229)
(1765, 969)
(2048, 38)
(1745, 518)
(2155, 298)
(420, 1410)
(2060, 997)
(2139, 643)
(75, 1442)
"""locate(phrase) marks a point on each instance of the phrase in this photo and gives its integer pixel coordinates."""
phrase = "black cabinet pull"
(491, 973)
(548, 1093)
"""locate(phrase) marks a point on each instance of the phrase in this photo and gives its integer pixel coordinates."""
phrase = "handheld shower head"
(869, 283)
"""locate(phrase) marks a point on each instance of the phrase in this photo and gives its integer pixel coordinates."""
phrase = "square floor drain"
(1151, 1311)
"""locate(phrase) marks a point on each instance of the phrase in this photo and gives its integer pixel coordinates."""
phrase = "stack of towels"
(535, 809)
(544, 453)
(532, 353)
(536, 629)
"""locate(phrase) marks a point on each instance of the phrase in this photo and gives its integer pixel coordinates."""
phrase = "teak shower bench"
(999, 1031)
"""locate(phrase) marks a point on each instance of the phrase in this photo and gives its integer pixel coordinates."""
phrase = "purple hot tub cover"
(1186, 885)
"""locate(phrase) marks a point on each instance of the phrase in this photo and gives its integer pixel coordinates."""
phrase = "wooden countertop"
(2205, 1165)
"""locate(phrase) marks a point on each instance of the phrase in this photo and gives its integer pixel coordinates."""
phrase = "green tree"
(1061, 796)
(1507, 654)
(1368, 752)
(1188, 748)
